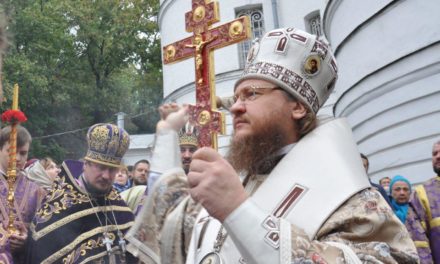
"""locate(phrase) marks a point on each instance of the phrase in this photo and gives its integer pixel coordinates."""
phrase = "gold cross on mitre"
(200, 45)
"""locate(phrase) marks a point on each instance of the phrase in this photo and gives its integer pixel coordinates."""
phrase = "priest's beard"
(437, 170)
(256, 153)
(94, 192)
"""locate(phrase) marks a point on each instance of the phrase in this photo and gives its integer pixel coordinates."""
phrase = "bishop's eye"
(249, 94)
(246, 94)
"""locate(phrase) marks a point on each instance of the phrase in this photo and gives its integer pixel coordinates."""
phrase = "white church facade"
(388, 54)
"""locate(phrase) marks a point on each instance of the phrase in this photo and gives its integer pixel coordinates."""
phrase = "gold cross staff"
(12, 165)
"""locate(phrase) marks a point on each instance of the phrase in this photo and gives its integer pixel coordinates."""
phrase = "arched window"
(313, 23)
(257, 27)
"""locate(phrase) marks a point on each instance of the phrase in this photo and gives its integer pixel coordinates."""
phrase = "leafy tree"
(79, 63)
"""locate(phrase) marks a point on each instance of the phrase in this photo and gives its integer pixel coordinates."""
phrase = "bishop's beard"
(256, 153)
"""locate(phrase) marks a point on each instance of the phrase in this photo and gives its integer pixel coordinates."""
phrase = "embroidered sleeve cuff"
(255, 233)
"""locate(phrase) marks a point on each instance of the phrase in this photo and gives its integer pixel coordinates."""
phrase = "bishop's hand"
(172, 117)
(215, 184)
(166, 109)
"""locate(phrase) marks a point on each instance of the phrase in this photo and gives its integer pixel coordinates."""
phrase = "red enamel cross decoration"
(200, 45)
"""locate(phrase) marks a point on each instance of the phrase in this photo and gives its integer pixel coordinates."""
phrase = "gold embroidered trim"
(423, 223)
(91, 244)
(66, 196)
(4, 235)
(100, 255)
(434, 222)
(72, 179)
(75, 216)
(421, 244)
(421, 192)
(54, 257)
(99, 158)
(72, 257)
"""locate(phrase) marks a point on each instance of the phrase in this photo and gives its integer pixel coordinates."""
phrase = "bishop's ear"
(298, 110)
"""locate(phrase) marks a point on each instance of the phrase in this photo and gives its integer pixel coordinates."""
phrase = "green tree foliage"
(80, 63)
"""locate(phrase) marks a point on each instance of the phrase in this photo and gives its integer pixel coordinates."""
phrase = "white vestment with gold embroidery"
(320, 173)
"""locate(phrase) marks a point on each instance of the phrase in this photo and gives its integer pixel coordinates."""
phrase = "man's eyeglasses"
(251, 93)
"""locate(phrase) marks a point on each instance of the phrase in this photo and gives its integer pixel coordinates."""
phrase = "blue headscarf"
(401, 210)
(120, 188)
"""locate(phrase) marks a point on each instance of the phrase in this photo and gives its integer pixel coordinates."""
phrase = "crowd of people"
(414, 206)
(275, 197)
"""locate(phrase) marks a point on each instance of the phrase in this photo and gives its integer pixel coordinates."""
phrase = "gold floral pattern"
(107, 144)
(62, 196)
(168, 192)
(367, 225)
(81, 251)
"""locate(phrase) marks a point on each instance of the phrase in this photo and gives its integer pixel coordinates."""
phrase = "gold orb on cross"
(199, 13)
(235, 29)
(204, 118)
(170, 52)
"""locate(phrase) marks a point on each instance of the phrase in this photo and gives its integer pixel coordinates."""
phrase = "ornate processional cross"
(200, 45)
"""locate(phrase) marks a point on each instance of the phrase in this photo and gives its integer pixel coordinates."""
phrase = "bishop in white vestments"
(292, 188)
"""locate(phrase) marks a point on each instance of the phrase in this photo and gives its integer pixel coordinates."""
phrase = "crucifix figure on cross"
(200, 45)
(108, 242)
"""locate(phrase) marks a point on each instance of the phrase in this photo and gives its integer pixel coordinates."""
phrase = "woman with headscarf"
(43, 172)
(400, 189)
(122, 181)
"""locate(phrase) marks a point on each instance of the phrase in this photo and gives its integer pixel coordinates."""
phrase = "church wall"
(346, 16)
(292, 12)
(134, 155)
(388, 54)
(140, 148)
(388, 57)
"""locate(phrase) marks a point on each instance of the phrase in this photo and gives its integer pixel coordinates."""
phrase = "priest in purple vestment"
(26, 199)
(83, 219)
(426, 202)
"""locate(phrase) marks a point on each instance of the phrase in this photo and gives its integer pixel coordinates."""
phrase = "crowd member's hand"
(215, 184)
(173, 117)
(17, 240)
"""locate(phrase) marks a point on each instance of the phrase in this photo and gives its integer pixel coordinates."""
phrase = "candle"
(15, 98)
